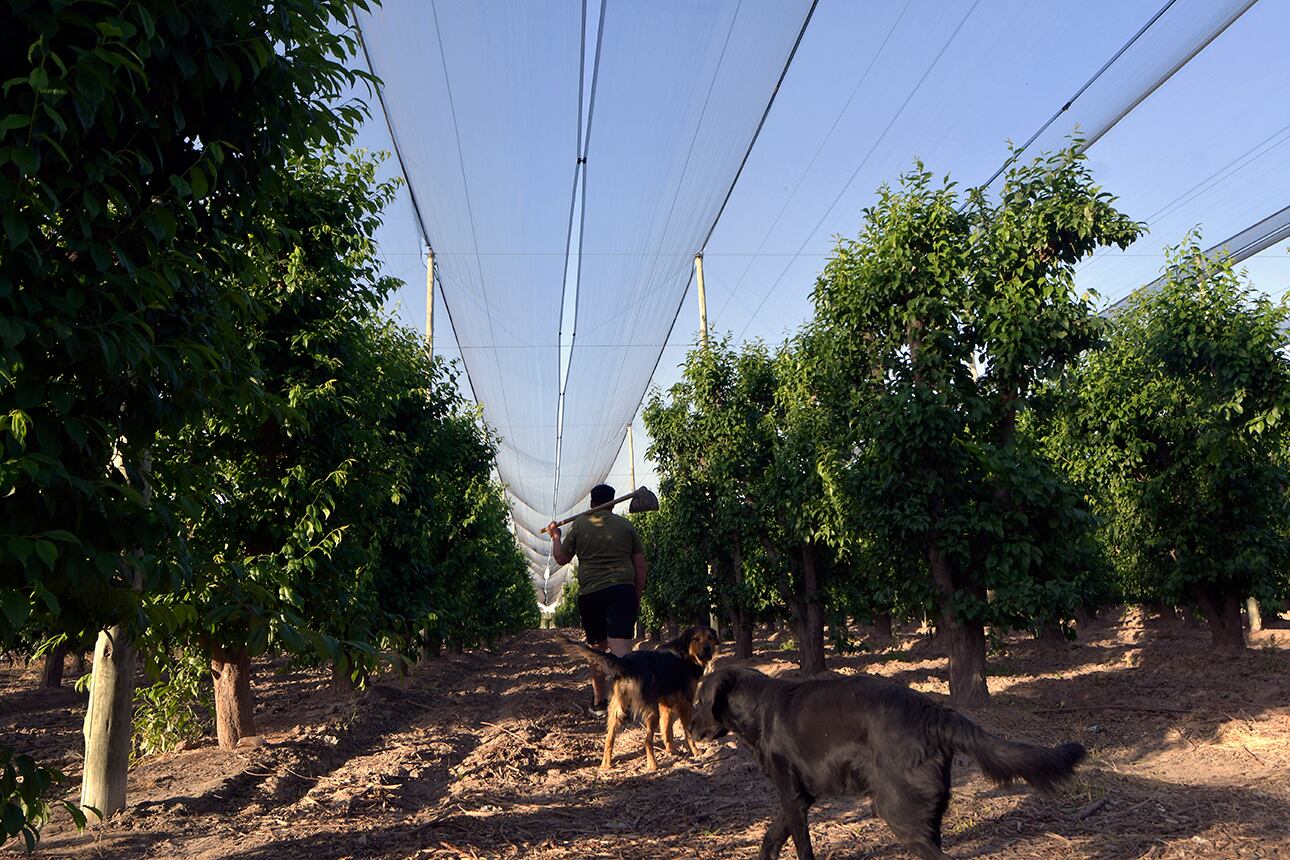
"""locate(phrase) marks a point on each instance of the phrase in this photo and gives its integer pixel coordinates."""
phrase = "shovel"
(642, 501)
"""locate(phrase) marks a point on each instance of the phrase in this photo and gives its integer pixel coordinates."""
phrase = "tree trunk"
(743, 628)
(1167, 611)
(880, 632)
(455, 647)
(342, 681)
(426, 654)
(52, 676)
(78, 663)
(964, 639)
(654, 635)
(1051, 633)
(234, 705)
(1255, 615)
(433, 647)
(1223, 613)
(108, 723)
(808, 615)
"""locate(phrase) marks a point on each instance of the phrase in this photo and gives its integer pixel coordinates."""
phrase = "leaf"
(47, 552)
(15, 228)
(77, 814)
(20, 547)
(13, 818)
(16, 608)
(198, 182)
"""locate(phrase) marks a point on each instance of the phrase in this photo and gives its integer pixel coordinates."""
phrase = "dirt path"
(488, 755)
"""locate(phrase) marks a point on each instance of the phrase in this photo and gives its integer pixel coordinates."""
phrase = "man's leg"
(620, 619)
(592, 611)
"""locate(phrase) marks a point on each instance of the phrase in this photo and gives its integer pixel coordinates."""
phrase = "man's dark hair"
(601, 493)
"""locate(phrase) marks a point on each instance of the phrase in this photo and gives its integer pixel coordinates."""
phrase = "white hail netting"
(534, 542)
(1201, 153)
(680, 92)
(482, 98)
(487, 131)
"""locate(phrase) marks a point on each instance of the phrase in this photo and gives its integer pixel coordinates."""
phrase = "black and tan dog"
(649, 683)
(862, 735)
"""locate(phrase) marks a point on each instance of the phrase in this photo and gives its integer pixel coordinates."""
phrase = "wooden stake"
(109, 714)
(108, 723)
(703, 300)
(430, 302)
(631, 454)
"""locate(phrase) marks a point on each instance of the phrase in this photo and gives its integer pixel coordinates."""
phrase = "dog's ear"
(724, 685)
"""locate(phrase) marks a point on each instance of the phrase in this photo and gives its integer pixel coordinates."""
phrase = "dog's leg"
(913, 806)
(651, 726)
(776, 835)
(611, 731)
(795, 809)
(687, 712)
(669, 716)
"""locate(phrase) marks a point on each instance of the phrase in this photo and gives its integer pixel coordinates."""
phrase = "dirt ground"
(489, 755)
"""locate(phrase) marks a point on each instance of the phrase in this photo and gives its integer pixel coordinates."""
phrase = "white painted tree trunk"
(109, 717)
(108, 723)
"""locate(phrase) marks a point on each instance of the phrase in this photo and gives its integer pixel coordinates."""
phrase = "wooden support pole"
(109, 714)
(430, 302)
(631, 455)
(703, 300)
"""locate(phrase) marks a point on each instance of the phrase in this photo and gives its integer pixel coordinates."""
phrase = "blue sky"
(877, 84)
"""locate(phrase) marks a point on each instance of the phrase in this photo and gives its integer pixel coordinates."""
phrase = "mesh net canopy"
(507, 131)
(566, 162)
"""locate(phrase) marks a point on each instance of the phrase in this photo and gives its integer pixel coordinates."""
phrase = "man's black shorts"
(609, 613)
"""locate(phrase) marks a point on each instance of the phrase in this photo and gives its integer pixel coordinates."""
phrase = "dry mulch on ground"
(490, 755)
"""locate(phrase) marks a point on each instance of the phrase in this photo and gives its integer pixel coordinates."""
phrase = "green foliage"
(566, 613)
(299, 482)
(351, 506)
(140, 146)
(175, 707)
(676, 590)
(25, 789)
(711, 444)
(1180, 421)
(933, 330)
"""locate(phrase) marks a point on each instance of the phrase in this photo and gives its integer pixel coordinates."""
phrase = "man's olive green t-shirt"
(604, 544)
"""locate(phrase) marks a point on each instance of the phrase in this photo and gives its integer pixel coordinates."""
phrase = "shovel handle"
(600, 507)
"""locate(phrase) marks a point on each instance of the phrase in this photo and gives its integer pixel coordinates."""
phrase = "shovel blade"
(642, 501)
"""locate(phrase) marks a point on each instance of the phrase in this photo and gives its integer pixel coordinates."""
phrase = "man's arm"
(639, 563)
(557, 549)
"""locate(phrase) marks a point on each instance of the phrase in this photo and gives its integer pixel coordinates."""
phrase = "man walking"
(611, 580)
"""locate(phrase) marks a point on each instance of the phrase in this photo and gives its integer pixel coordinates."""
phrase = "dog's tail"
(611, 666)
(1004, 761)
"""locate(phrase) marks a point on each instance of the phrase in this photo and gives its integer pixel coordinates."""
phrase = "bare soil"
(491, 755)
